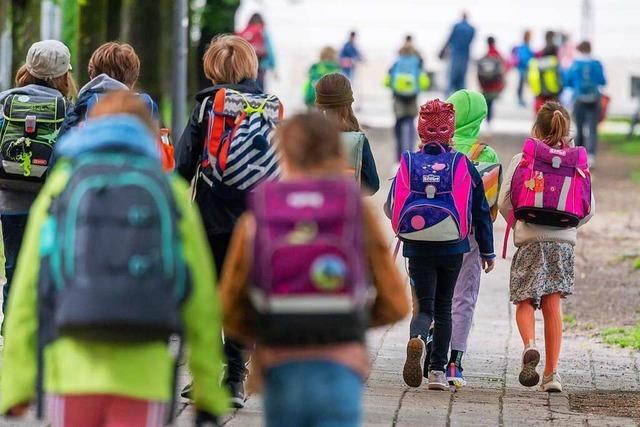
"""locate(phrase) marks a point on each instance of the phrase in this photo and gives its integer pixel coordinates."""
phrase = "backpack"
(431, 197)
(309, 273)
(544, 76)
(352, 146)
(317, 72)
(587, 90)
(491, 174)
(254, 34)
(133, 290)
(28, 135)
(490, 71)
(550, 186)
(239, 147)
(405, 76)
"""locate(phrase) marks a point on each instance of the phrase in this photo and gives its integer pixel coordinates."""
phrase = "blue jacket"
(585, 77)
(460, 39)
(86, 97)
(524, 55)
(480, 219)
(349, 50)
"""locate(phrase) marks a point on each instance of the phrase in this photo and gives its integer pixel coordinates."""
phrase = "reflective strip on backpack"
(538, 200)
(313, 304)
(564, 194)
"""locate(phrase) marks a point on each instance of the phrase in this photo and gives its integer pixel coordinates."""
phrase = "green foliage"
(569, 320)
(622, 144)
(623, 337)
(70, 30)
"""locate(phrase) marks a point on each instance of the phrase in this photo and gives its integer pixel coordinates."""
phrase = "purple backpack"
(309, 274)
(431, 197)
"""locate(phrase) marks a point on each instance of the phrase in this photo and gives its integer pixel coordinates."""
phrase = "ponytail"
(552, 124)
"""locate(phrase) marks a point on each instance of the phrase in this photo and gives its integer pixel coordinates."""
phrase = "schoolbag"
(113, 266)
(28, 135)
(431, 197)
(309, 274)
(544, 76)
(490, 71)
(405, 76)
(550, 186)
(352, 146)
(587, 90)
(491, 174)
(239, 146)
(254, 34)
(316, 72)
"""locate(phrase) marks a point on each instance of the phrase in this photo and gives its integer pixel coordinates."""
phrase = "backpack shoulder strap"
(203, 109)
(476, 151)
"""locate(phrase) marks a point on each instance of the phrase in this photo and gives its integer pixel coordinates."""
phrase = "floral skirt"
(542, 268)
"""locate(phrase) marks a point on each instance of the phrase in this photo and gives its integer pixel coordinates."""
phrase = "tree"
(92, 32)
(25, 29)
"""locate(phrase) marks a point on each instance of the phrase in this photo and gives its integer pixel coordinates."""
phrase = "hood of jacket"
(32, 90)
(245, 86)
(471, 110)
(102, 83)
(119, 132)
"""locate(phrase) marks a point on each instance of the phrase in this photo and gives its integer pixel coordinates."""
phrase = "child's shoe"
(429, 348)
(551, 383)
(437, 381)
(530, 358)
(416, 353)
(454, 376)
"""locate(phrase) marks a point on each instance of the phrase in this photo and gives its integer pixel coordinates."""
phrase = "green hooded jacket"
(471, 110)
(137, 370)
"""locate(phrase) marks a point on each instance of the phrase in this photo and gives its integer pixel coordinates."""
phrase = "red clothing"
(104, 410)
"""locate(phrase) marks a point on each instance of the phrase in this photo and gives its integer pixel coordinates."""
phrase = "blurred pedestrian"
(522, 55)
(586, 78)
(491, 71)
(411, 49)
(457, 48)
(328, 64)
(350, 56)
(544, 74)
(258, 37)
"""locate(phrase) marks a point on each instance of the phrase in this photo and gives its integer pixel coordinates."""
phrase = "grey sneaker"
(551, 383)
(438, 381)
(416, 353)
(530, 358)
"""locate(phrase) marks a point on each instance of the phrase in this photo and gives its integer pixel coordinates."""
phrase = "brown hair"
(124, 102)
(310, 142)
(230, 59)
(337, 86)
(117, 60)
(584, 47)
(328, 54)
(552, 124)
(64, 83)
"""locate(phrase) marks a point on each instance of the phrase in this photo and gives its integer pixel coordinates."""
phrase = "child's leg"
(552, 313)
(423, 277)
(448, 268)
(526, 321)
(465, 297)
(76, 410)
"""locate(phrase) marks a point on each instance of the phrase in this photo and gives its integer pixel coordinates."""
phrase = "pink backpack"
(551, 186)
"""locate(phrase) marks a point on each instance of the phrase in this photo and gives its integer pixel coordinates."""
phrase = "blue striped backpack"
(239, 149)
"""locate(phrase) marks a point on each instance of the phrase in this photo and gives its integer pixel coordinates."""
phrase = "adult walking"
(545, 78)
(457, 47)
(349, 56)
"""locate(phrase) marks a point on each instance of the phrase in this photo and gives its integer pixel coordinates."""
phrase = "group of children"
(116, 268)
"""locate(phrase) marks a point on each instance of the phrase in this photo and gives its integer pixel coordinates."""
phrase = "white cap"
(48, 59)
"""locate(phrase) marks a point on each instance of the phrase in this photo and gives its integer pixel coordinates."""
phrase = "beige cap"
(48, 59)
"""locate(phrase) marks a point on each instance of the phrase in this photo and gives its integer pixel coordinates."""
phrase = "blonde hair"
(552, 124)
(328, 54)
(124, 102)
(337, 85)
(117, 60)
(63, 84)
(309, 142)
(230, 59)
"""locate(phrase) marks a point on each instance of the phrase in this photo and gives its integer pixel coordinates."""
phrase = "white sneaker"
(530, 358)
(414, 365)
(438, 381)
(551, 384)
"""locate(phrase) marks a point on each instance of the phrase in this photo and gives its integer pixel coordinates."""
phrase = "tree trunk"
(92, 32)
(4, 12)
(70, 31)
(114, 19)
(25, 29)
(144, 32)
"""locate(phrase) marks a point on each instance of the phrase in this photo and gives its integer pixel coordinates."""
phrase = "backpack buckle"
(30, 125)
(430, 190)
(556, 162)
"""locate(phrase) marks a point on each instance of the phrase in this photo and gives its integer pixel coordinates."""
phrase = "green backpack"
(28, 134)
(317, 72)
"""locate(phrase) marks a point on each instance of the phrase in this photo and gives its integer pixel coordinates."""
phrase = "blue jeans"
(586, 116)
(457, 73)
(405, 134)
(312, 393)
(13, 227)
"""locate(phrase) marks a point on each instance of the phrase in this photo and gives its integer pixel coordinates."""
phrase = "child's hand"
(488, 264)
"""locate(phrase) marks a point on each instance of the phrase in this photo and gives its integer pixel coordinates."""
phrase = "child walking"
(542, 269)
(334, 98)
(313, 372)
(436, 197)
(44, 91)
(87, 326)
